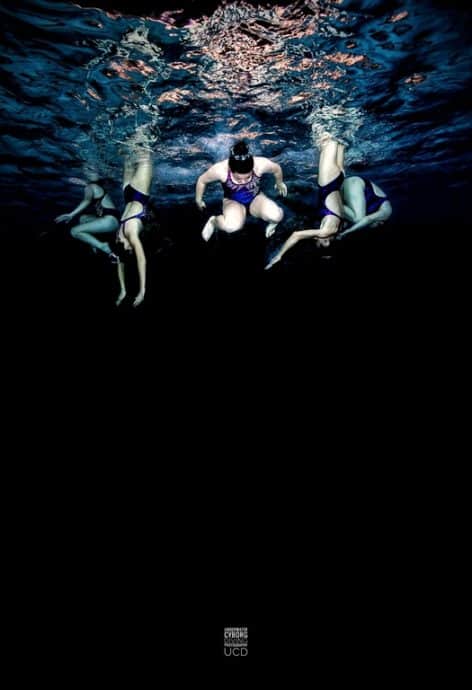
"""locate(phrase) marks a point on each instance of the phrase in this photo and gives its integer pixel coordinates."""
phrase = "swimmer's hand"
(281, 187)
(200, 203)
(121, 297)
(65, 218)
(139, 299)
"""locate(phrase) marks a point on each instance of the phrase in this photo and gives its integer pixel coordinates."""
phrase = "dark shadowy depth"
(213, 439)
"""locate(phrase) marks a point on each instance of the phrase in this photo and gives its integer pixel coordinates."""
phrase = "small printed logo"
(235, 642)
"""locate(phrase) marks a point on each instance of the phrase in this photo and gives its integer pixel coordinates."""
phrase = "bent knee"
(233, 226)
(278, 215)
(75, 232)
(112, 223)
(273, 215)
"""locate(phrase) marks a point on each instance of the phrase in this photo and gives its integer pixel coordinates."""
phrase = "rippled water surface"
(389, 78)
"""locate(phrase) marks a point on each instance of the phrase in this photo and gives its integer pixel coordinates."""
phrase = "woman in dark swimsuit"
(330, 179)
(136, 185)
(365, 204)
(240, 176)
(104, 217)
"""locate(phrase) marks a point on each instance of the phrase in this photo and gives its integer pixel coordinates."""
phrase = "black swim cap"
(240, 159)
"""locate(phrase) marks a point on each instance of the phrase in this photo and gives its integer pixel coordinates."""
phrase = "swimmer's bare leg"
(231, 220)
(266, 209)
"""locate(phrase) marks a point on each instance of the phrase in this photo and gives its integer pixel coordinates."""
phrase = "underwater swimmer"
(365, 204)
(240, 176)
(330, 180)
(103, 219)
(137, 179)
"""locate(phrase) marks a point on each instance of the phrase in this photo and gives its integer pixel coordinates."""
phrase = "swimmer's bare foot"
(209, 228)
(270, 229)
(324, 138)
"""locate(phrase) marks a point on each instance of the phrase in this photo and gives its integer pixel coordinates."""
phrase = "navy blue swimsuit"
(333, 186)
(244, 193)
(372, 201)
(132, 194)
(101, 210)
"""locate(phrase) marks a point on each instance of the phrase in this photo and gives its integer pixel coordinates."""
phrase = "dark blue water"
(318, 361)
(388, 78)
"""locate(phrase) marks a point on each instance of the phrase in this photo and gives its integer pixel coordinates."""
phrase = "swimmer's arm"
(121, 280)
(86, 201)
(381, 215)
(141, 261)
(213, 174)
(318, 232)
(366, 221)
(265, 165)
